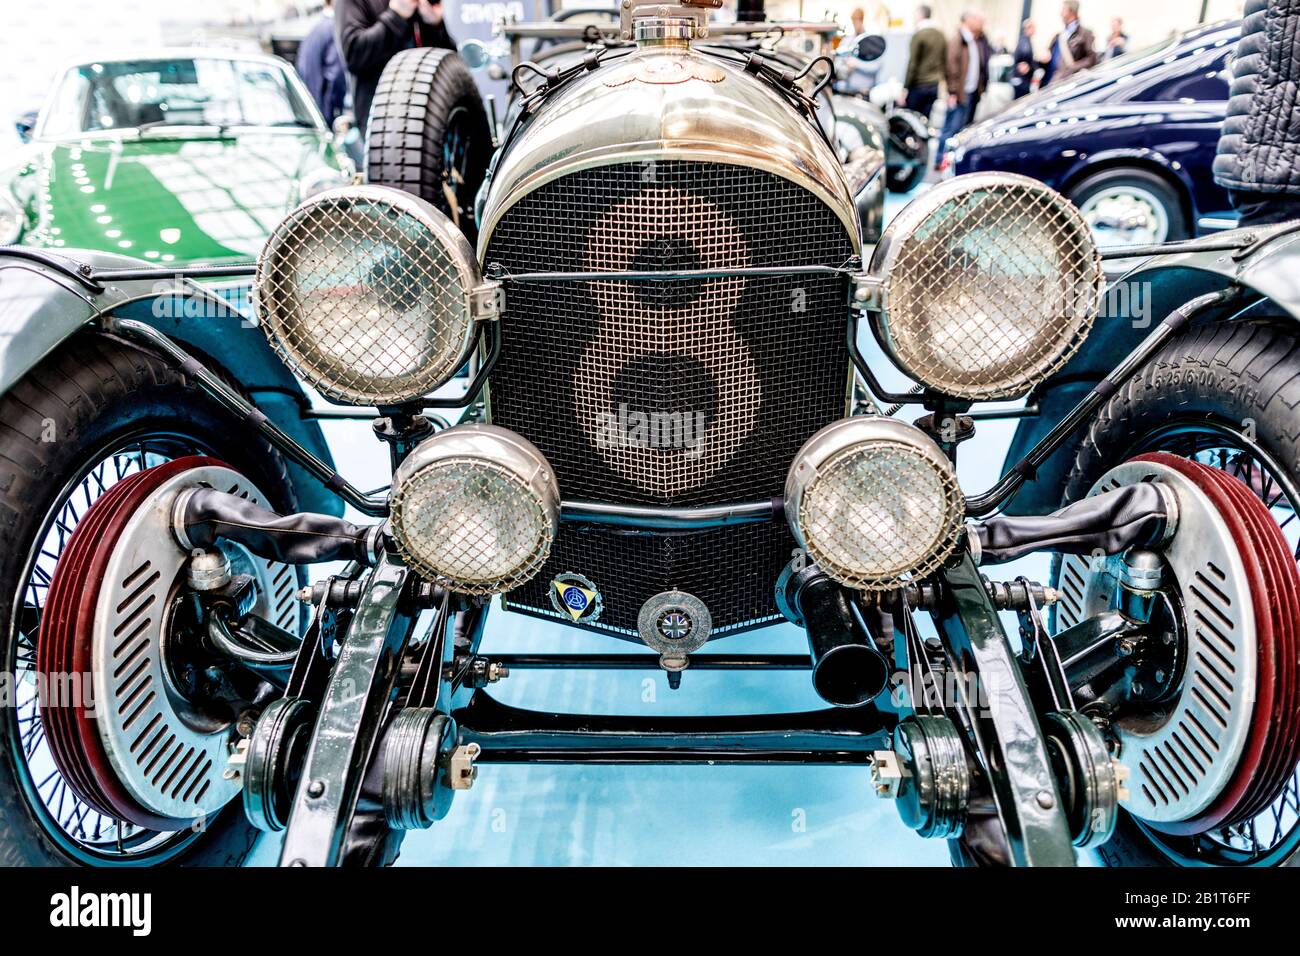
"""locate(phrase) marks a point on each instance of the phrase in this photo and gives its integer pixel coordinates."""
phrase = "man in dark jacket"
(1117, 42)
(925, 64)
(371, 32)
(321, 69)
(1259, 149)
(967, 77)
(1022, 70)
(1072, 49)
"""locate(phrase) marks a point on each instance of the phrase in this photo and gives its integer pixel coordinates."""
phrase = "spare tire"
(428, 132)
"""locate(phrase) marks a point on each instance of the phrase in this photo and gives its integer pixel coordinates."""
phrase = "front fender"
(41, 306)
(866, 124)
(1178, 173)
(1125, 155)
(865, 172)
(1134, 305)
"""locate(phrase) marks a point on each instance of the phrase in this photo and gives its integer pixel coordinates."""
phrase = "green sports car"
(185, 157)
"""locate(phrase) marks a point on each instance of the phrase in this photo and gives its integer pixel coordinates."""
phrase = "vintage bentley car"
(672, 436)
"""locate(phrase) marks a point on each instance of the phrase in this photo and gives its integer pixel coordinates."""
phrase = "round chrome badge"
(674, 623)
(575, 596)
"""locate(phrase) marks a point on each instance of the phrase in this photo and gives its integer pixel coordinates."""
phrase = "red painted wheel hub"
(1272, 748)
(66, 643)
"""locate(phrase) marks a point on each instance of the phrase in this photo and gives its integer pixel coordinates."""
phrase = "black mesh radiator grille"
(732, 570)
(682, 392)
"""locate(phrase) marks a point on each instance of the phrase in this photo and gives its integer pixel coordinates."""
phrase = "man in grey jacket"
(1259, 149)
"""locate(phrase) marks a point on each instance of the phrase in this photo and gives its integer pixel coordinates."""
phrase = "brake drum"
(1219, 749)
(135, 748)
(1181, 757)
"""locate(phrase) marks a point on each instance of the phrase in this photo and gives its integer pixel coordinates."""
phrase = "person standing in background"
(321, 68)
(967, 77)
(878, 17)
(1071, 49)
(858, 19)
(1117, 43)
(1024, 65)
(1260, 141)
(926, 63)
(372, 32)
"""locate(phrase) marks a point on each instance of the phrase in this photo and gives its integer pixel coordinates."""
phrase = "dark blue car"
(1130, 141)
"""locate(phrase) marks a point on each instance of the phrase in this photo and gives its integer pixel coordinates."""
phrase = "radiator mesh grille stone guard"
(992, 281)
(671, 392)
(364, 292)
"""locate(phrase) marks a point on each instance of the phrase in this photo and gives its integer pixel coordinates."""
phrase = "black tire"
(1210, 380)
(1152, 183)
(428, 132)
(93, 395)
(902, 179)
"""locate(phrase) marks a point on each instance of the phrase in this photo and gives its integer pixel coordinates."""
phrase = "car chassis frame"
(336, 808)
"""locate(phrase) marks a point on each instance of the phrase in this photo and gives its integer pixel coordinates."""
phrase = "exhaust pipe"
(848, 671)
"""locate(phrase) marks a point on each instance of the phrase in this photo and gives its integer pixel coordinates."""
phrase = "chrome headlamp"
(985, 285)
(874, 502)
(475, 509)
(370, 294)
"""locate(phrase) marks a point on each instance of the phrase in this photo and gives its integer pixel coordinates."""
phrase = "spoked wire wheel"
(72, 823)
(1273, 835)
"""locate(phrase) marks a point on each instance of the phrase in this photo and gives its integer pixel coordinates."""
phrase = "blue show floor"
(644, 815)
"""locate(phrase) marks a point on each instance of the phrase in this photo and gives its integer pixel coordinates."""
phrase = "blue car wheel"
(1130, 207)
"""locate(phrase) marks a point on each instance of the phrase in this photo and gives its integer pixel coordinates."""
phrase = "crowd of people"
(356, 38)
(959, 62)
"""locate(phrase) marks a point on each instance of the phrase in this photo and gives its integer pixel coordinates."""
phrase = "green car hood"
(172, 199)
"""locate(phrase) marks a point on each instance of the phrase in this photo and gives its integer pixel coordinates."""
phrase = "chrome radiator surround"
(666, 103)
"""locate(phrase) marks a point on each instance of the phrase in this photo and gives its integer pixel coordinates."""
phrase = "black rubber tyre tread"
(1226, 373)
(90, 390)
(417, 93)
